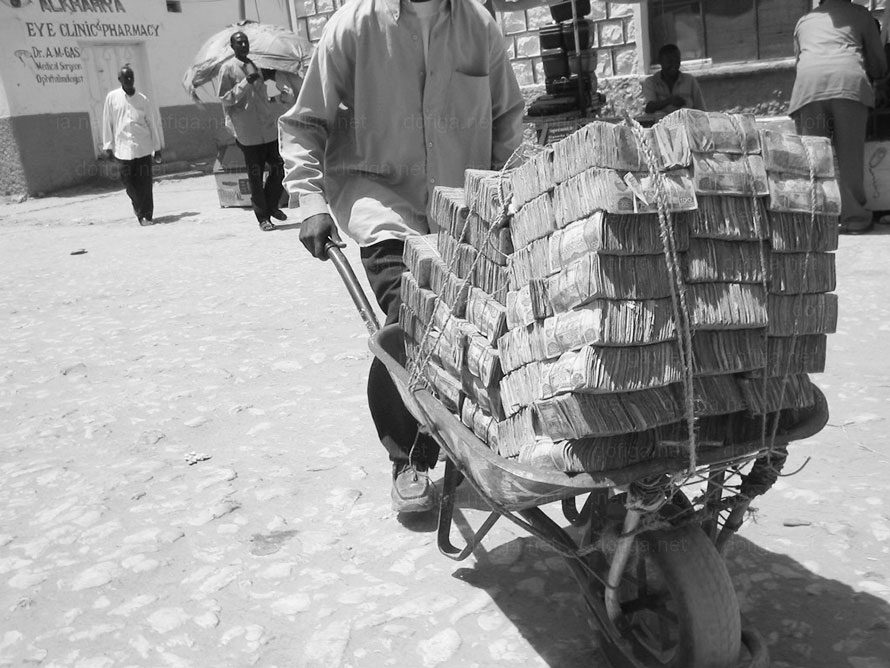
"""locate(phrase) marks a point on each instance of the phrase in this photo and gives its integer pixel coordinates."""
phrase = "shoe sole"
(420, 504)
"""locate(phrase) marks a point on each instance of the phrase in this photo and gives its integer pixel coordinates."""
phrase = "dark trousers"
(396, 427)
(136, 177)
(264, 198)
(845, 123)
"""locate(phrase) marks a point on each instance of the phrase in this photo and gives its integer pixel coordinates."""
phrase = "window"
(174, 6)
(726, 30)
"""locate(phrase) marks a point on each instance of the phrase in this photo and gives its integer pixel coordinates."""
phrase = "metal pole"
(242, 10)
(366, 311)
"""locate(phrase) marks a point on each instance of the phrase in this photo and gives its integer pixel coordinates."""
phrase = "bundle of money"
(798, 193)
(448, 210)
(521, 388)
(603, 322)
(796, 154)
(633, 192)
(493, 242)
(535, 220)
(487, 193)
(717, 395)
(444, 385)
(712, 131)
(620, 147)
(727, 306)
(419, 254)
(487, 314)
(717, 261)
(794, 355)
(610, 277)
(488, 398)
(796, 273)
(730, 218)
(492, 278)
(797, 315)
(532, 178)
(421, 301)
(728, 174)
(800, 233)
(606, 453)
(728, 351)
(515, 432)
(614, 234)
(530, 262)
(777, 393)
(515, 348)
(613, 369)
(582, 415)
(486, 428)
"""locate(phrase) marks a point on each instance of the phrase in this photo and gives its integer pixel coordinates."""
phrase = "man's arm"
(303, 133)
(507, 103)
(875, 60)
(231, 89)
(653, 102)
(157, 129)
(108, 128)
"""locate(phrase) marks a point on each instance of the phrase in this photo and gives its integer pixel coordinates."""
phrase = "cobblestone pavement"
(189, 477)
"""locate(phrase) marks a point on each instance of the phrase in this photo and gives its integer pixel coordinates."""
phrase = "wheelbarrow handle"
(365, 310)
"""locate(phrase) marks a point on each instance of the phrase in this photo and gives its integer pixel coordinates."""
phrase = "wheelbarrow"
(646, 553)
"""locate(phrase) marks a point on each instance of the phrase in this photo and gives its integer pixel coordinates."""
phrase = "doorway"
(102, 62)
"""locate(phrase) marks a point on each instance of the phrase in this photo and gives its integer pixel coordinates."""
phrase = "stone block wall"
(614, 36)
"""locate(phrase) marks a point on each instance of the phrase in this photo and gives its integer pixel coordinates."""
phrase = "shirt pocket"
(467, 107)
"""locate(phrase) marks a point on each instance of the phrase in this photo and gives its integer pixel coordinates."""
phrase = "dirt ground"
(189, 477)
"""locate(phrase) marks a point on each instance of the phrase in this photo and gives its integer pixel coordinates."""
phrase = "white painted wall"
(47, 40)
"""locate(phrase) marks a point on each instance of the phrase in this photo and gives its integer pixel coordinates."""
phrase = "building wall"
(65, 55)
(620, 37)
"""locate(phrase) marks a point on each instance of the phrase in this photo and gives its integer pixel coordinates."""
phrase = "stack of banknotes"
(556, 333)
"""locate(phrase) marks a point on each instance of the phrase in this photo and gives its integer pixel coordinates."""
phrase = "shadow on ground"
(809, 621)
(175, 217)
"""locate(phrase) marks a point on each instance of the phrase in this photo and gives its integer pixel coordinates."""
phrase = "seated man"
(670, 89)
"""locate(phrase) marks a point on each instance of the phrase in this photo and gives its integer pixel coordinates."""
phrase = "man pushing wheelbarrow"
(389, 110)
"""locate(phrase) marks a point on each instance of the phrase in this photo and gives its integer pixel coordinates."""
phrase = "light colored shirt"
(655, 89)
(838, 49)
(374, 130)
(249, 114)
(131, 125)
(426, 11)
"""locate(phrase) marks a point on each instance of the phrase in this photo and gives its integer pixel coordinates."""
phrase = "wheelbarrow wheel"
(678, 605)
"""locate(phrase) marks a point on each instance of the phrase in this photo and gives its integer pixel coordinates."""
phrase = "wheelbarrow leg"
(452, 478)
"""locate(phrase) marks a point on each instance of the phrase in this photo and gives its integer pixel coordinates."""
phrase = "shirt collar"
(394, 7)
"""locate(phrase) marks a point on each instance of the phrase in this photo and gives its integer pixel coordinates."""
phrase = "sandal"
(857, 227)
(266, 225)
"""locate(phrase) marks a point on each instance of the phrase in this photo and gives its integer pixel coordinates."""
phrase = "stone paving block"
(625, 59)
(514, 22)
(538, 17)
(304, 8)
(528, 45)
(611, 33)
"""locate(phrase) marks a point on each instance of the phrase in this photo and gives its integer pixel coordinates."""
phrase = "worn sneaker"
(412, 491)
(278, 214)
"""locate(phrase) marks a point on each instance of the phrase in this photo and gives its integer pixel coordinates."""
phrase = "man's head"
(127, 79)
(669, 59)
(240, 45)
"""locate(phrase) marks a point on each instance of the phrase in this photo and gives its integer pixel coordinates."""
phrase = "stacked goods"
(452, 301)
(649, 282)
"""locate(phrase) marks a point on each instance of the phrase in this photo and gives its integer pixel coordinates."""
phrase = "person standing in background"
(131, 133)
(254, 121)
(839, 53)
(670, 89)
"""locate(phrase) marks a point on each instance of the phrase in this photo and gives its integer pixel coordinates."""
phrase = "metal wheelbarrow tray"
(706, 628)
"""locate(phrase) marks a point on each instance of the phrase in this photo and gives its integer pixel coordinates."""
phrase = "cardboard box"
(230, 173)
(232, 189)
